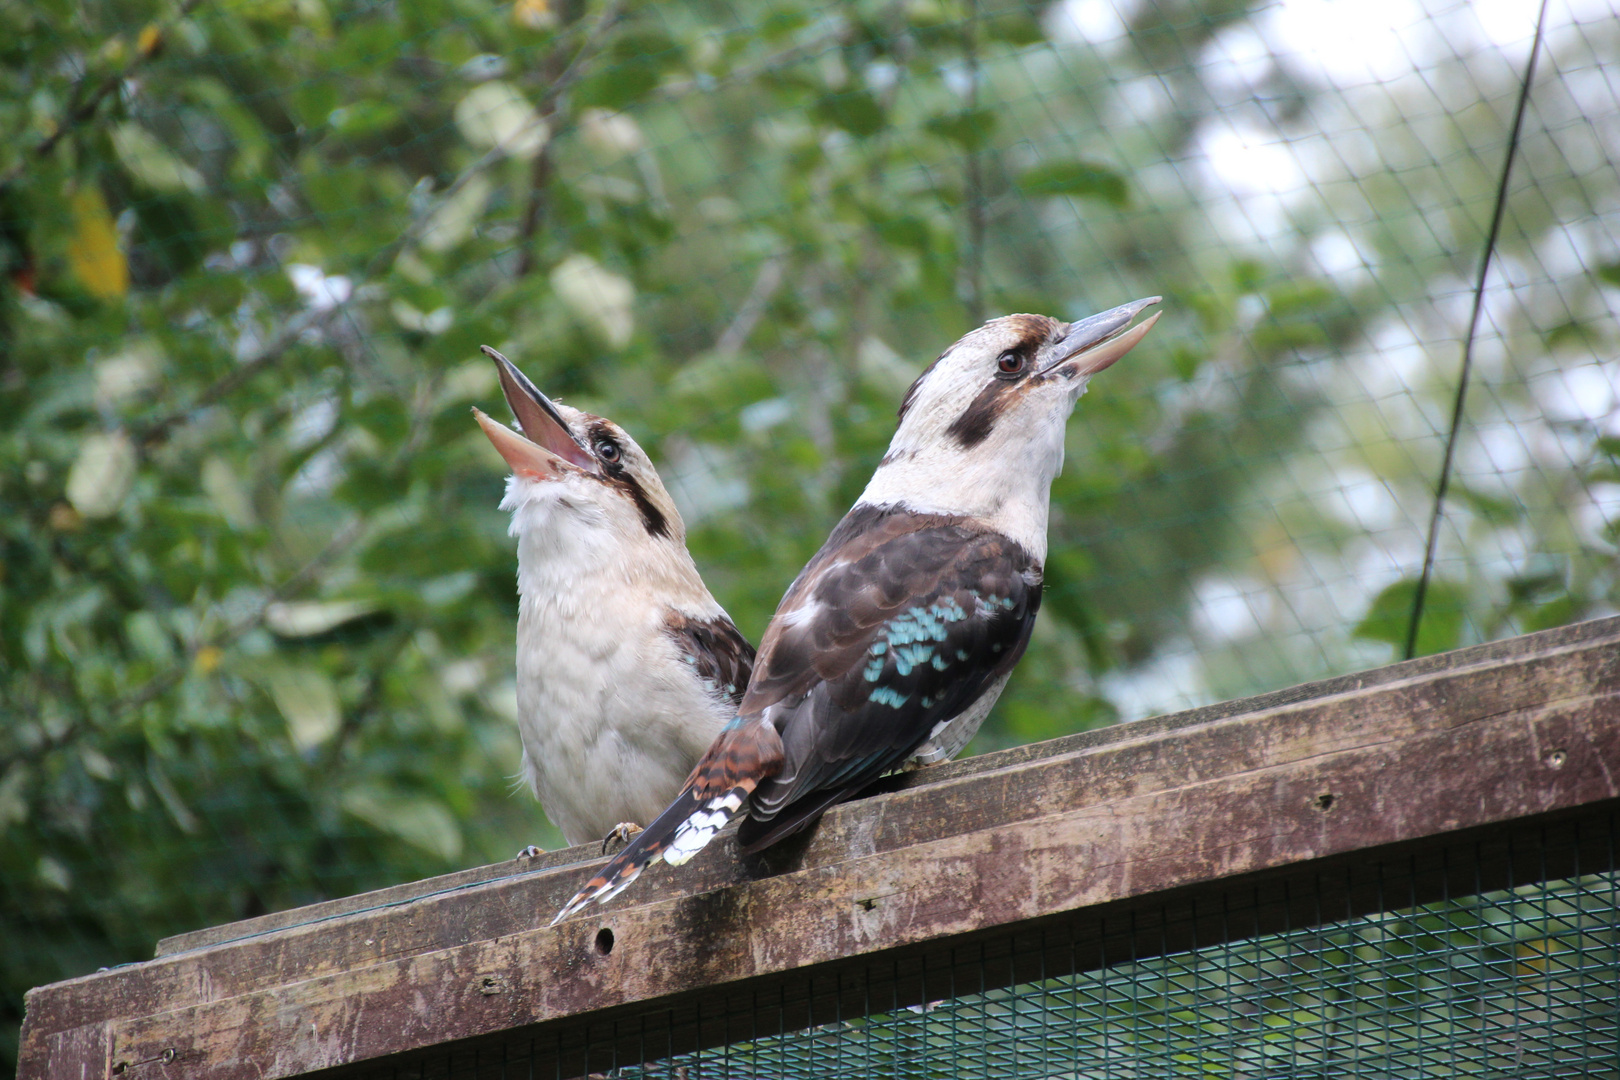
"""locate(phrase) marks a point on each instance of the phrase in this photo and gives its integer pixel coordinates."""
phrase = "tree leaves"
(1389, 616)
(855, 111)
(495, 115)
(1082, 179)
(93, 252)
(634, 64)
(308, 701)
(599, 298)
(152, 163)
(102, 474)
(971, 129)
(419, 821)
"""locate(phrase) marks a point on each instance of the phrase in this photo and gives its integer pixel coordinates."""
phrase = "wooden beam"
(1470, 740)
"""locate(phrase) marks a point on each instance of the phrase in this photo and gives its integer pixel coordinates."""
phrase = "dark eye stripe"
(979, 419)
(651, 516)
(616, 474)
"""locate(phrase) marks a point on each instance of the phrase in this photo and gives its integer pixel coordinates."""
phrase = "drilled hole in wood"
(1324, 801)
(604, 941)
(1557, 758)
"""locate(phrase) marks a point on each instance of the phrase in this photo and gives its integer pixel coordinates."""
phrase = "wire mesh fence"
(1514, 982)
(256, 601)
(1520, 984)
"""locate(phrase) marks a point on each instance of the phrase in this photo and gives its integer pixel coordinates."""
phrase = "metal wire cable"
(1491, 236)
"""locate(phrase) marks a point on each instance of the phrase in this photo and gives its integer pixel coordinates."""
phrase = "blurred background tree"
(256, 600)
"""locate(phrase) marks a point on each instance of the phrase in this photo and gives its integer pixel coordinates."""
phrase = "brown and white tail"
(743, 756)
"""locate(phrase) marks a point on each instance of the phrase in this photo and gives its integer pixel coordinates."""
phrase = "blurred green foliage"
(256, 600)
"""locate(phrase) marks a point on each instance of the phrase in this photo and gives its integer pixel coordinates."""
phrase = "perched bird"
(626, 667)
(898, 636)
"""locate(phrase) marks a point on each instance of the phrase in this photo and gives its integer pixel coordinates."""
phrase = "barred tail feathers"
(649, 846)
(741, 757)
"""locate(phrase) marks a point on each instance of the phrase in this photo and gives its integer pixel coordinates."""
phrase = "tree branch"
(87, 106)
(971, 283)
(162, 683)
(559, 76)
(679, 88)
(151, 434)
(766, 282)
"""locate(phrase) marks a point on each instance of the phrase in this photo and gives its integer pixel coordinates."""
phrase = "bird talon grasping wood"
(622, 833)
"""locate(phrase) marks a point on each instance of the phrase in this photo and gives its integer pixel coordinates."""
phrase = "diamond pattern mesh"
(1519, 983)
(1405, 964)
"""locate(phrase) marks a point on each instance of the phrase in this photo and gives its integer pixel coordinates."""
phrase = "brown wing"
(900, 623)
(717, 651)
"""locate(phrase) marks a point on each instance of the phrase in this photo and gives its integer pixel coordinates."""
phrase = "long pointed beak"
(522, 456)
(1095, 343)
(536, 414)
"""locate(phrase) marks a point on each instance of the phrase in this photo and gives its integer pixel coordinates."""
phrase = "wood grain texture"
(1474, 739)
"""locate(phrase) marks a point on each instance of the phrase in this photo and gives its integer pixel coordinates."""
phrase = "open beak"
(1095, 343)
(545, 441)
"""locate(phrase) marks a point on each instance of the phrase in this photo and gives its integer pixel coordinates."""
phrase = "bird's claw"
(530, 852)
(623, 832)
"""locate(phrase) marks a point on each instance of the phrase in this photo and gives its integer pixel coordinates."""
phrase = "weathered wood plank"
(961, 884)
(1485, 736)
(1508, 649)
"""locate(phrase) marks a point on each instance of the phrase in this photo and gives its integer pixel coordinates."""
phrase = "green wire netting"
(1518, 984)
(1512, 984)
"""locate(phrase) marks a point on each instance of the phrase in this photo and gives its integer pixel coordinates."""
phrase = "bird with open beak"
(897, 637)
(626, 667)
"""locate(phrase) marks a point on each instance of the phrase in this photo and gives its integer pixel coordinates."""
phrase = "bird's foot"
(530, 852)
(623, 832)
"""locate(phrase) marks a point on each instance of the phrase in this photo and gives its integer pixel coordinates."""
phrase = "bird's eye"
(607, 450)
(1010, 363)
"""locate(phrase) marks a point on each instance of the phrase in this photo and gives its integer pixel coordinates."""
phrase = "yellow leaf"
(93, 253)
(150, 40)
(534, 14)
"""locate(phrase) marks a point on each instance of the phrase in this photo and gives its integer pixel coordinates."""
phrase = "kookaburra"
(626, 667)
(898, 636)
